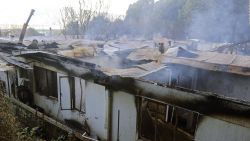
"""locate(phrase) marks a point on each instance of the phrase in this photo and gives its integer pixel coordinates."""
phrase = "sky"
(47, 12)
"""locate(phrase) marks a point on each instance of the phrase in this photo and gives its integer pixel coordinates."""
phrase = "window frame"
(172, 118)
(52, 91)
(72, 95)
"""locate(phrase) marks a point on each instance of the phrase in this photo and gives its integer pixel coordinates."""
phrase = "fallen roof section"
(14, 61)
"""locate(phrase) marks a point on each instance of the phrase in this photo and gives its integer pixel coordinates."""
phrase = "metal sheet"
(14, 61)
(214, 61)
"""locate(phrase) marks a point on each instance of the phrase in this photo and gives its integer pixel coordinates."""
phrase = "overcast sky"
(47, 11)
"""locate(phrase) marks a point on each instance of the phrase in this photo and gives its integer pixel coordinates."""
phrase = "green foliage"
(60, 138)
(12, 130)
(35, 133)
(8, 123)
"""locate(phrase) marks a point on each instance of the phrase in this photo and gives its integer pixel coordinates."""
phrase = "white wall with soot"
(211, 129)
(53, 107)
(124, 117)
(97, 100)
(91, 104)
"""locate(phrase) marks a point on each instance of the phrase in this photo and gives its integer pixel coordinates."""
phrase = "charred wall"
(228, 85)
(217, 82)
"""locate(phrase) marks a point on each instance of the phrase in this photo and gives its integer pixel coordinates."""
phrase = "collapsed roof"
(111, 65)
(129, 57)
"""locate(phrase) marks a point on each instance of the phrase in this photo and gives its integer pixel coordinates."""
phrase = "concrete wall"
(211, 129)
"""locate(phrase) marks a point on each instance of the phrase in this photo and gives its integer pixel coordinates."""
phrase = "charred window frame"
(73, 99)
(72, 93)
(158, 121)
(79, 103)
(23, 73)
(25, 77)
(46, 82)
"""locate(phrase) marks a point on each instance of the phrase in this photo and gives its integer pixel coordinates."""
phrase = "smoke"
(221, 21)
(210, 20)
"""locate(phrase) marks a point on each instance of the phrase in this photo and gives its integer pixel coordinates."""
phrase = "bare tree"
(68, 16)
(78, 20)
(101, 7)
(86, 13)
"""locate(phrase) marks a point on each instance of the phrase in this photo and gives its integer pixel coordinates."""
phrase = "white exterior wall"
(94, 103)
(217, 130)
(125, 103)
(97, 100)
(53, 108)
(3, 76)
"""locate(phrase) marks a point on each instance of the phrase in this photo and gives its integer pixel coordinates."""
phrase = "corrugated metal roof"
(144, 54)
(213, 61)
(136, 71)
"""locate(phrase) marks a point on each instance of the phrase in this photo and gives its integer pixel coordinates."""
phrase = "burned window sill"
(53, 98)
(48, 97)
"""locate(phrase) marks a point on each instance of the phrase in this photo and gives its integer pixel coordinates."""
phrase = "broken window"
(23, 73)
(161, 121)
(45, 82)
(71, 93)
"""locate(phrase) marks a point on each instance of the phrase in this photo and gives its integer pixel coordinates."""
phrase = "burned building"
(129, 91)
